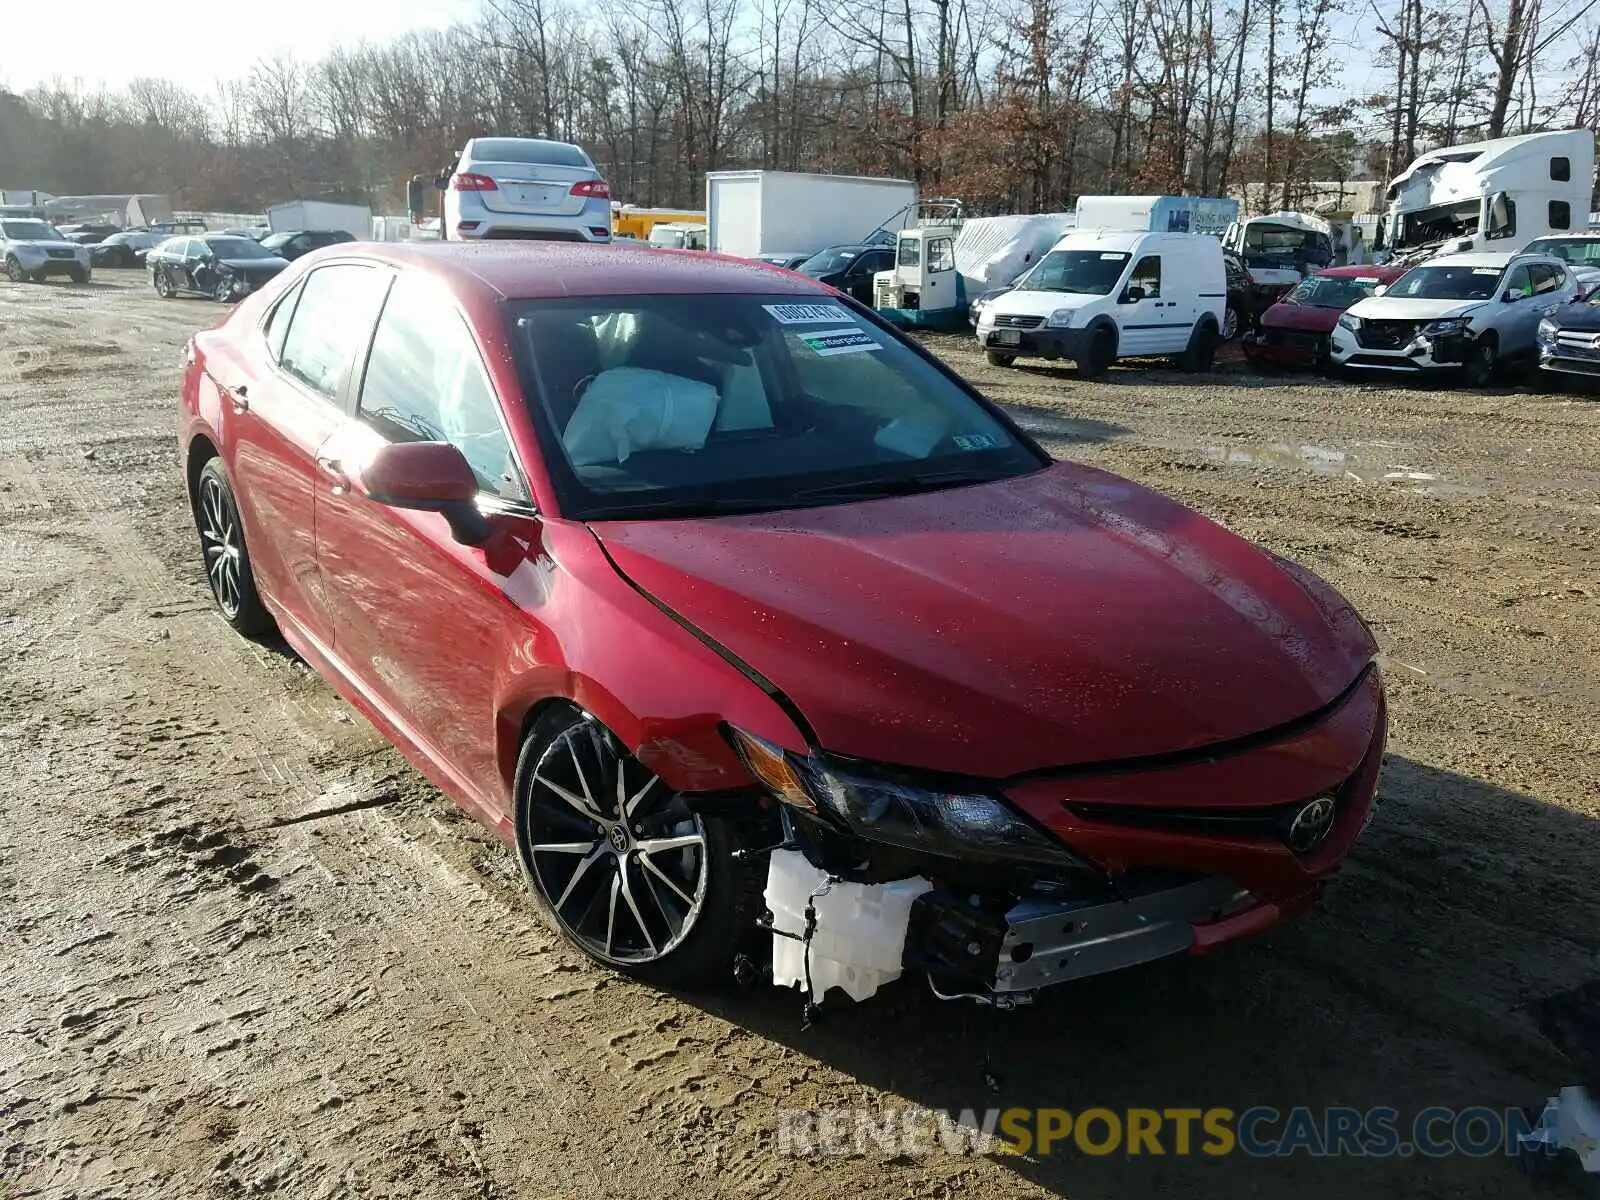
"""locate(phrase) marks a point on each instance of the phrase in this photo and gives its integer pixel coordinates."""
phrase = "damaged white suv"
(1461, 312)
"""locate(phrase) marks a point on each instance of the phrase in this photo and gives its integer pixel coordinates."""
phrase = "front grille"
(1014, 321)
(1386, 335)
(1273, 822)
(62, 253)
(1577, 345)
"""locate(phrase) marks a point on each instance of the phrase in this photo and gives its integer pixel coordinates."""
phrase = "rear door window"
(331, 325)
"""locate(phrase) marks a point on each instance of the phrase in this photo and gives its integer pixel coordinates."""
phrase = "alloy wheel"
(14, 271)
(618, 856)
(222, 544)
(1230, 324)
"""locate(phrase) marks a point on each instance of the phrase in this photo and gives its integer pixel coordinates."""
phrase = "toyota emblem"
(1311, 825)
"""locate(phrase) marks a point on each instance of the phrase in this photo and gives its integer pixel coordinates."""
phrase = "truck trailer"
(296, 215)
(751, 214)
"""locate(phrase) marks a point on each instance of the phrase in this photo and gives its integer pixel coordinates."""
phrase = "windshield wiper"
(904, 485)
(684, 508)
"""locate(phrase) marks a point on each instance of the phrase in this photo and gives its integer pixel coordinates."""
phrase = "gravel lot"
(245, 949)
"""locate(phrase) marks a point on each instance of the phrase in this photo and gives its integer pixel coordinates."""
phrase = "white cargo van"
(1099, 296)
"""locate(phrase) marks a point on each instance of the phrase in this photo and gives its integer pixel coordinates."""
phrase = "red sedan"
(1294, 331)
(671, 568)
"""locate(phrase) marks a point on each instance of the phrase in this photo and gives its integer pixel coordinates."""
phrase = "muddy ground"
(244, 949)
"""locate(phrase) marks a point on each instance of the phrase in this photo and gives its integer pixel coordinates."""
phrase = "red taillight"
(466, 181)
(595, 189)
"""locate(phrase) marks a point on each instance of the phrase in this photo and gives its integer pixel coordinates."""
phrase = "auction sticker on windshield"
(828, 342)
(806, 314)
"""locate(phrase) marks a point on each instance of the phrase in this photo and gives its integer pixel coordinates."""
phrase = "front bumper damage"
(1180, 858)
(1422, 353)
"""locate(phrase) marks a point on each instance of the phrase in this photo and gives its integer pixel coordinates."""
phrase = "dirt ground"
(244, 949)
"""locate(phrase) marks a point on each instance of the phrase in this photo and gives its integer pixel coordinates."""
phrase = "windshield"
(1580, 252)
(828, 261)
(237, 248)
(527, 150)
(30, 231)
(275, 241)
(1439, 223)
(1333, 291)
(1084, 272)
(652, 406)
(1447, 283)
(1284, 246)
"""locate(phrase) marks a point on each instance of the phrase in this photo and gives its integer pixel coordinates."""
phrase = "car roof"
(1476, 259)
(521, 270)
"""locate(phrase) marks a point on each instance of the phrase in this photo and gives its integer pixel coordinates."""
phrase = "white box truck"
(755, 214)
(1158, 214)
(292, 217)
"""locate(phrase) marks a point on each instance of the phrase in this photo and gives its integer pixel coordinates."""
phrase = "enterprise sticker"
(806, 314)
(828, 342)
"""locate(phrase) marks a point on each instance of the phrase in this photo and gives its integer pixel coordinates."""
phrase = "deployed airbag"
(628, 409)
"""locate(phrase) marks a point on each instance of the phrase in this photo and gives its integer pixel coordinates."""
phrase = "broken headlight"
(1446, 327)
(879, 808)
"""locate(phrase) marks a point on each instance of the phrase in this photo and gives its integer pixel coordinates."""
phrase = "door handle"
(333, 472)
(241, 398)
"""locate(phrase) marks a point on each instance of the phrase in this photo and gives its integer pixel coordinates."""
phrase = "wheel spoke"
(633, 907)
(611, 913)
(650, 866)
(564, 847)
(583, 780)
(578, 873)
(662, 845)
(583, 806)
(632, 802)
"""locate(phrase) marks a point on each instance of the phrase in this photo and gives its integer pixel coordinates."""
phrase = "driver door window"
(425, 382)
(1147, 275)
(1519, 284)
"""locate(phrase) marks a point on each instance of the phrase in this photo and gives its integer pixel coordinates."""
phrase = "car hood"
(1301, 316)
(1397, 308)
(41, 244)
(1066, 616)
(1024, 302)
(1577, 318)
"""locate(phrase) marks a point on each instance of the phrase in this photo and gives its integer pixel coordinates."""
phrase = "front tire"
(163, 283)
(79, 275)
(622, 867)
(226, 559)
(1230, 324)
(1478, 370)
(1097, 355)
(14, 271)
(999, 358)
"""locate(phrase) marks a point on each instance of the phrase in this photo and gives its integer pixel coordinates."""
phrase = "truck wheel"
(1202, 350)
(1097, 354)
(999, 358)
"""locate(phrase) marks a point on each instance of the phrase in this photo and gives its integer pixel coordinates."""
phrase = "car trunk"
(533, 189)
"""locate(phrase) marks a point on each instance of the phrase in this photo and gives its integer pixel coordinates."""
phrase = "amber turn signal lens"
(770, 765)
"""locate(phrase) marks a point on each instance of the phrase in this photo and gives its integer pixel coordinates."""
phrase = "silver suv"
(33, 249)
(1461, 312)
(526, 188)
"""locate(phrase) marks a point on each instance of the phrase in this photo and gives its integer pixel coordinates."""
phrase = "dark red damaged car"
(1294, 331)
(692, 578)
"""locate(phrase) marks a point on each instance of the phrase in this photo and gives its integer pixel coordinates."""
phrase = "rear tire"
(1097, 355)
(223, 553)
(1202, 349)
(999, 358)
(674, 917)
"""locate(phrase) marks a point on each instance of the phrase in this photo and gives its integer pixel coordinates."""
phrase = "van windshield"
(1084, 272)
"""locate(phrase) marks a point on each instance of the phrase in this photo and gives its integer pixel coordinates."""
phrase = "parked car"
(1463, 312)
(1244, 297)
(1294, 332)
(89, 234)
(677, 235)
(850, 269)
(290, 246)
(1580, 251)
(126, 249)
(1569, 339)
(1098, 296)
(787, 261)
(32, 250)
(526, 188)
(645, 559)
(214, 264)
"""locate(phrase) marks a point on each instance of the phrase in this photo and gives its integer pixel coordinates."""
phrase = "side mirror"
(1132, 295)
(1507, 296)
(431, 477)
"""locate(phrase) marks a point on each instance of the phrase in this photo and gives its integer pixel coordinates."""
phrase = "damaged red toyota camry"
(758, 632)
